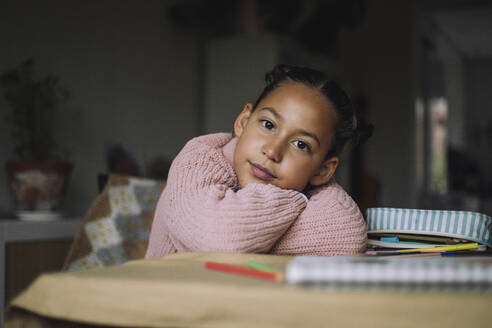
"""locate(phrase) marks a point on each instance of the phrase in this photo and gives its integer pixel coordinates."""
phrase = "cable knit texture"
(203, 209)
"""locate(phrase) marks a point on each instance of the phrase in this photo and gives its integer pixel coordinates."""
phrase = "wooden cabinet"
(24, 261)
(30, 248)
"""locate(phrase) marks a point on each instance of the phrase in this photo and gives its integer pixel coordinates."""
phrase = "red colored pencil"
(274, 276)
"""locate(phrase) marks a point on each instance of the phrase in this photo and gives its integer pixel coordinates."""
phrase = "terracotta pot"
(39, 186)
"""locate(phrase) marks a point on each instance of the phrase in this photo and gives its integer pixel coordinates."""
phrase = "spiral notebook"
(369, 271)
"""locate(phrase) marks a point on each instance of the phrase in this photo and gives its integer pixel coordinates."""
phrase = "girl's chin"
(259, 181)
(246, 182)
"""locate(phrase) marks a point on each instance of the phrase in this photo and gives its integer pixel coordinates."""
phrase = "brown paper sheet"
(178, 291)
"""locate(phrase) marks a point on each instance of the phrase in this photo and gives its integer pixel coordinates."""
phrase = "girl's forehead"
(302, 97)
(297, 90)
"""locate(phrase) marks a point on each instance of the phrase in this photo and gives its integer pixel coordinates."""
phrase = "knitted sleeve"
(331, 224)
(160, 243)
(203, 212)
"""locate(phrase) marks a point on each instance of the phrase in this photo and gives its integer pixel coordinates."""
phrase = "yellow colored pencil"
(425, 254)
(458, 247)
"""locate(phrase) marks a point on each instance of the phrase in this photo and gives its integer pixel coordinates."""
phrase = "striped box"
(456, 224)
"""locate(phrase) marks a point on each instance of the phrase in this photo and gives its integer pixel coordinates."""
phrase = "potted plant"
(39, 173)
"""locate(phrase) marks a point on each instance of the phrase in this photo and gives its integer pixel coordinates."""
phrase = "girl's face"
(285, 140)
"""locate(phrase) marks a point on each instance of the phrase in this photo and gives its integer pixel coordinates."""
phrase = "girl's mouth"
(261, 172)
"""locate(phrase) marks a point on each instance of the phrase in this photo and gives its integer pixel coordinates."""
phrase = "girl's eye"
(302, 145)
(267, 124)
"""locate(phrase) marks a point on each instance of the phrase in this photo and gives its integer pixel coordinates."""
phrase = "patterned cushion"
(116, 228)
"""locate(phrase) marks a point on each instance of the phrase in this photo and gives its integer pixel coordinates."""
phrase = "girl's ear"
(325, 173)
(242, 119)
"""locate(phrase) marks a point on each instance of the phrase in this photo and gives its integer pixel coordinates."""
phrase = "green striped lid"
(457, 224)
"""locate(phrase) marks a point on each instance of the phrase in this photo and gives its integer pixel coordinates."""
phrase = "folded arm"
(331, 224)
(202, 211)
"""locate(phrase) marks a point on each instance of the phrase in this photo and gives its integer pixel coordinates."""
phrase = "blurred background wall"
(132, 75)
(149, 75)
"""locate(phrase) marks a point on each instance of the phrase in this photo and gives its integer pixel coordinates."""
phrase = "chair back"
(116, 227)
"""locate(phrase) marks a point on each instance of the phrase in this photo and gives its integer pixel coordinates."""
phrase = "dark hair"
(348, 125)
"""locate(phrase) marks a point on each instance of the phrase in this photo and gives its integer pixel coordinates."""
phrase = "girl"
(269, 188)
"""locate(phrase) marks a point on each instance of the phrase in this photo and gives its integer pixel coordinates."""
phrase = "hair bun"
(279, 72)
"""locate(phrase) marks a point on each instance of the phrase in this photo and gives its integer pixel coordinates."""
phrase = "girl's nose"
(273, 150)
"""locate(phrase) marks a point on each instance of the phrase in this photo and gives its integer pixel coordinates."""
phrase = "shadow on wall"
(303, 21)
(123, 162)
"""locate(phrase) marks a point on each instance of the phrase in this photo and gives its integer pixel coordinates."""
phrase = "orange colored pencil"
(274, 276)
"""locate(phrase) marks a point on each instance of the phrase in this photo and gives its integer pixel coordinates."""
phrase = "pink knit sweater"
(203, 209)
